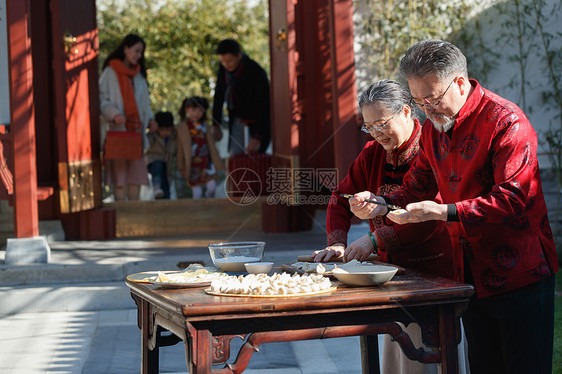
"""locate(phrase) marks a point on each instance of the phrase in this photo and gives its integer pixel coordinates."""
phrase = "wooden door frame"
(22, 113)
(22, 126)
(338, 130)
(314, 115)
(23, 147)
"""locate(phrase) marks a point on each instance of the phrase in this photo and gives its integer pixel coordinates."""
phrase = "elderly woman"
(380, 166)
(388, 118)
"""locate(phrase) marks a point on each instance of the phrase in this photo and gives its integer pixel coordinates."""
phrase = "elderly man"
(479, 151)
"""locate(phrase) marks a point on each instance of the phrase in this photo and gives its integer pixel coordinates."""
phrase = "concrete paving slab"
(307, 353)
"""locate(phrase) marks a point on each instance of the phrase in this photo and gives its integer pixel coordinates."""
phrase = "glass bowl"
(231, 256)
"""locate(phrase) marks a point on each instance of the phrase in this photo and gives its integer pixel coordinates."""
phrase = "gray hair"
(433, 57)
(387, 92)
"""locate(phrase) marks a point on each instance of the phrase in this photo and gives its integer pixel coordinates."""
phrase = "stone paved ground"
(60, 337)
(102, 342)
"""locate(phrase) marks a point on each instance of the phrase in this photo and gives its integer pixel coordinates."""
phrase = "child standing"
(161, 154)
(198, 158)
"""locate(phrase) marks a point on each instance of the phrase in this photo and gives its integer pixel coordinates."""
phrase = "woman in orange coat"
(125, 105)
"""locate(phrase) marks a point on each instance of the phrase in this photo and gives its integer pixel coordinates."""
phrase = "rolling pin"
(308, 258)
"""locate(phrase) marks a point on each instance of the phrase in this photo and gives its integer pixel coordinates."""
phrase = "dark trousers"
(512, 332)
(159, 173)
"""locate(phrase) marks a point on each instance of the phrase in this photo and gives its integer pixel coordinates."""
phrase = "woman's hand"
(331, 252)
(419, 212)
(364, 209)
(253, 146)
(118, 121)
(359, 250)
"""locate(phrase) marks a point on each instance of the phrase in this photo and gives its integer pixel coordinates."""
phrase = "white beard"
(443, 127)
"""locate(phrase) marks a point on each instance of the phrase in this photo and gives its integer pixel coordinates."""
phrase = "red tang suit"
(487, 166)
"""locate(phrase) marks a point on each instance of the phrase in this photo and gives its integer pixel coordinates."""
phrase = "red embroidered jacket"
(425, 247)
(488, 168)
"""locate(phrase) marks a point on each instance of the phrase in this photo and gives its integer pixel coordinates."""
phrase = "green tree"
(181, 37)
(385, 29)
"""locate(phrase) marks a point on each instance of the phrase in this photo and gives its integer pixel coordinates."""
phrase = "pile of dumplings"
(276, 284)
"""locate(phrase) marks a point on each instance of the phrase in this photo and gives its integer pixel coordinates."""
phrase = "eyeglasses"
(370, 127)
(429, 104)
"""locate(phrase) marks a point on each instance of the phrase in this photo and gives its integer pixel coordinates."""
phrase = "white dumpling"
(269, 291)
(305, 289)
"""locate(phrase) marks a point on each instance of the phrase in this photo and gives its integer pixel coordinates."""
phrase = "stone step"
(85, 287)
(65, 273)
(46, 274)
(61, 297)
(185, 217)
(69, 288)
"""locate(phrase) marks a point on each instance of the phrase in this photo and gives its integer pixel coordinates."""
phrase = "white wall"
(505, 76)
(502, 77)
(4, 76)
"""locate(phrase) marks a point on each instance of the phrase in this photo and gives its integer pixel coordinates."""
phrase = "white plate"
(145, 276)
(181, 285)
(195, 280)
(367, 275)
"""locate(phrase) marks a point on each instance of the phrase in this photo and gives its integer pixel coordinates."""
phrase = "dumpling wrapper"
(397, 212)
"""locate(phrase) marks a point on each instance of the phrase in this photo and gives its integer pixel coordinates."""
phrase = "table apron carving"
(391, 328)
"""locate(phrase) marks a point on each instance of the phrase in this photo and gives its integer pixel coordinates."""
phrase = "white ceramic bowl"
(231, 256)
(258, 267)
(365, 275)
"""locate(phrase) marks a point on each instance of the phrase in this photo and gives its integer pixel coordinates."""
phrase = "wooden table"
(206, 323)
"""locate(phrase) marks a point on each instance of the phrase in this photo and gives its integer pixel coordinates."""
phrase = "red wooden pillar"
(347, 141)
(22, 126)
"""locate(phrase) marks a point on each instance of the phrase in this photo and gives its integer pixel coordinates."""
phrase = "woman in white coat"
(125, 105)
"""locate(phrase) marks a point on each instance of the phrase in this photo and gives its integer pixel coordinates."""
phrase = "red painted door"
(315, 132)
(75, 70)
(314, 110)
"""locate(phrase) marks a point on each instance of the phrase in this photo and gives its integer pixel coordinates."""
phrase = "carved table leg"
(448, 321)
(149, 357)
(370, 354)
(202, 362)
